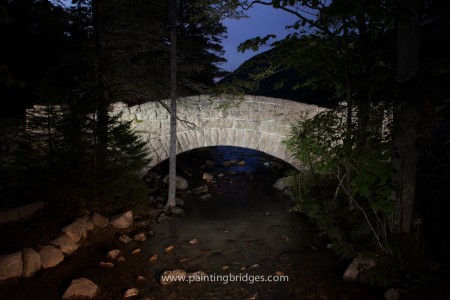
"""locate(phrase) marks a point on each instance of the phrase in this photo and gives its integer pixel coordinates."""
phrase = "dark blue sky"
(262, 20)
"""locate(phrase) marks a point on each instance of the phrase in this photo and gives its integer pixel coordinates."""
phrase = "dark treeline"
(85, 57)
(48, 51)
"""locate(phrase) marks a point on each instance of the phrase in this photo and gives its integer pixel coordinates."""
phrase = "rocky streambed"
(230, 223)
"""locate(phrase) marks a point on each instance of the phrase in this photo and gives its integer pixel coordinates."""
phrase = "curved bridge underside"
(254, 122)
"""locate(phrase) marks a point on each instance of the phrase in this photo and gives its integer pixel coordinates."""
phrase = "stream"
(245, 228)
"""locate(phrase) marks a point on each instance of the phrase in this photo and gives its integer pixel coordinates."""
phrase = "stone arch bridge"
(254, 122)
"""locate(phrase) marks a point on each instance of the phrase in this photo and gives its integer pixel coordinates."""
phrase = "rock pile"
(28, 261)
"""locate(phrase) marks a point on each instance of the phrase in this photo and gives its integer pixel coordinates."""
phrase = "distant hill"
(278, 85)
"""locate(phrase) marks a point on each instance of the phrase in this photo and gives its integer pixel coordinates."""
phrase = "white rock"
(205, 197)
(197, 276)
(131, 293)
(106, 264)
(81, 289)
(181, 183)
(113, 254)
(207, 176)
(140, 237)
(99, 220)
(50, 256)
(228, 163)
(282, 183)
(171, 276)
(122, 221)
(125, 239)
(136, 251)
(86, 222)
(11, 265)
(75, 231)
(31, 262)
(357, 267)
(65, 244)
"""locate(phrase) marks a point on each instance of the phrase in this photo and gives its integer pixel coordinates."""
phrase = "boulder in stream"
(231, 162)
(11, 265)
(99, 220)
(75, 231)
(200, 190)
(131, 293)
(355, 271)
(122, 221)
(172, 275)
(106, 264)
(50, 256)
(181, 183)
(125, 239)
(31, 262)
(82, 288)
(282, 183)
(207, 176)
(113, 254)
(177, 212)
(205, 197)
(65, 244)
(140, 237)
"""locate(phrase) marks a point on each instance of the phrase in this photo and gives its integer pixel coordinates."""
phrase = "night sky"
(262, 20)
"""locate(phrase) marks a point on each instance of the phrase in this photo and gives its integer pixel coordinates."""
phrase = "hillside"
(281, 84)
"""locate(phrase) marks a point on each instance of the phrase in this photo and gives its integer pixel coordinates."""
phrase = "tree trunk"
(173, 105)
(406, 114)
(50, 116)
(404, 162)
(348, 138)
(101, 95)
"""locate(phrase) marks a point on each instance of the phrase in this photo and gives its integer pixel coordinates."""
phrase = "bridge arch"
(254, 122)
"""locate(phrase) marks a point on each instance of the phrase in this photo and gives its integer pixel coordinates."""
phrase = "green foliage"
(361, 168)
(312, 200)
(125, 147)
(404, 267)
(135, 59)
(254, 43)
(118, 189)
(215, 10)
(55, 161)
(314, 141)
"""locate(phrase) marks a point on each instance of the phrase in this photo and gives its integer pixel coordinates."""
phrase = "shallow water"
(245, 228)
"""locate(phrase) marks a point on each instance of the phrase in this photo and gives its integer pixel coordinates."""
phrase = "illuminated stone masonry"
(254, 122)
